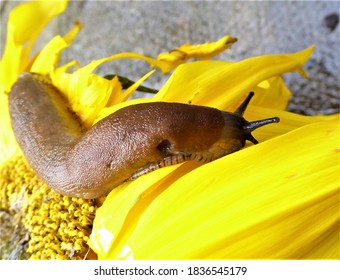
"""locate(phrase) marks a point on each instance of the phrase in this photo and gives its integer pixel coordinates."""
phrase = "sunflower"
(275, 200)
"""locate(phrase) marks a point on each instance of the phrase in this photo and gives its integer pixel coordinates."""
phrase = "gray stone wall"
(262, 27)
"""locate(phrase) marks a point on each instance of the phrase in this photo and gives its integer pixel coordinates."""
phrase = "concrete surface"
(150, 27)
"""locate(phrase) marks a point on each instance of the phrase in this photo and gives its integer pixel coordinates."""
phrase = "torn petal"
(202, 51)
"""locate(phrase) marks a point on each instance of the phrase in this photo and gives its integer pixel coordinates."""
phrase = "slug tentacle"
(125, 145)
(242, 108)
(250, 126)
(256, 124)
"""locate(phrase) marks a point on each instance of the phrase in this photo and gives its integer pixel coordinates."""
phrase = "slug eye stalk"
(256, 124)
(248, 127)
(242, 108)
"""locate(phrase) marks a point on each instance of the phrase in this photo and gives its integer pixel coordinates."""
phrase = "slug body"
(132, 141)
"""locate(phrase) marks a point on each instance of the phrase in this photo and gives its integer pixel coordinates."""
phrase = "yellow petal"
(8, 144)
(47, 59)
(272, 93)
(29, 19)
(25, 23)
(88, 93)
(231, 208)
(224, 85)
(119, 100)
(134, 87)
(202, 51)
(69, 37)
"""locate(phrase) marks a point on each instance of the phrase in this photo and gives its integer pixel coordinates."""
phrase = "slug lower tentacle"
(130, 142)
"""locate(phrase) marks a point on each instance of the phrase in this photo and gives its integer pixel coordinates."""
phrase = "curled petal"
(202, 51)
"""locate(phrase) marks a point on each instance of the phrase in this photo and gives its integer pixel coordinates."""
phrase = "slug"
(126, 144)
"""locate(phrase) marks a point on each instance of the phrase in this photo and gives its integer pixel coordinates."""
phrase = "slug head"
(238, 128)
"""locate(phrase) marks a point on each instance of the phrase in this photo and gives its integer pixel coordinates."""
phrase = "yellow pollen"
(53, 226)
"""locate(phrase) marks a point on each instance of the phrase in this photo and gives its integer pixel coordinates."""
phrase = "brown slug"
(126, 144)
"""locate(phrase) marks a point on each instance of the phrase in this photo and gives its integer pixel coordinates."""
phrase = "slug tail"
(240, 110)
